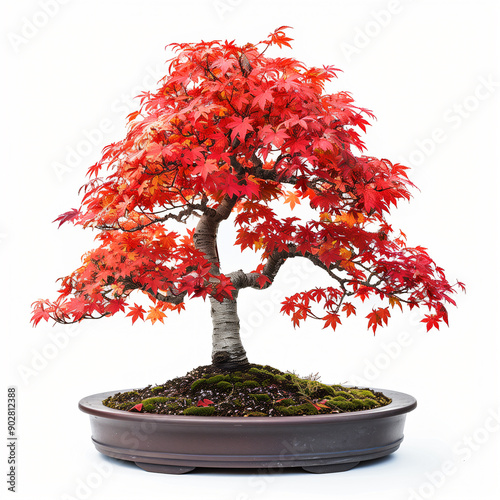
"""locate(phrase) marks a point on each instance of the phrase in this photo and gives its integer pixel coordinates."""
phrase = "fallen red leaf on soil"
(205, 402)
(137, 407)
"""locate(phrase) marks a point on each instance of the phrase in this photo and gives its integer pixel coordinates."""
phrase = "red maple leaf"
(431, 321)
(262, 280)
(69, 216)
(263, 98)
(349, 309)
(292, 198)
(378, 317)
(240, 127)
(39, 312)
(332, 320)
(155, 314)
(204, 402)
(206, 168)
(136, 312)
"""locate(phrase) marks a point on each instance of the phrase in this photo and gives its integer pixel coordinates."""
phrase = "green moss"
(174, 406)
(158, 388)
(126, 406)
(256, 414)
(255, 371)
(250, 384)
(328, 389)
(159, 399)
(216, 379)
(270, 369)
(224, 386)
(362, 393)
(343, 405)
(333, 402)
(353, 405)
(311, 388)
(286, 402)
(357, 404)
(315, 388)
(149, 404)
(344, 394)
(340, 399)
(198, 384)
(261, 373)
(370, 403)
(260, 397)
(303, 409)
(202, 411)
(131, 394)
(204, 382)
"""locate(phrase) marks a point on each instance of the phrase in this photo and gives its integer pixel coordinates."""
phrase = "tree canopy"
(230, 133)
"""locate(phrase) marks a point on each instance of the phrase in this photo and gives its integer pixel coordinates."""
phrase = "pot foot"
(164, 469)
(325, 469)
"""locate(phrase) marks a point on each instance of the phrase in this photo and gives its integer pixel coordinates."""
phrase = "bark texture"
(227, 349)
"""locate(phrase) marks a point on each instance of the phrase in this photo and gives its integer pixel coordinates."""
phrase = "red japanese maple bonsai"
(230, 134)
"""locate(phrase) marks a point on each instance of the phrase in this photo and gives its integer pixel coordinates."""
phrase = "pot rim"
(401, 403)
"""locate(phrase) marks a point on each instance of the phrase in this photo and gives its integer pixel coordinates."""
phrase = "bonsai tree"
(233, 136)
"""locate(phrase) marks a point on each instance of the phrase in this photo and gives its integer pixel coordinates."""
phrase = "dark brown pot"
(317, 443)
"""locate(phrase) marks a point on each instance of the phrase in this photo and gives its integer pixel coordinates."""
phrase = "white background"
(429, 70)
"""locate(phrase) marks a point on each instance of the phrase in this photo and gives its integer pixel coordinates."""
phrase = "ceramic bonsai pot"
(317, 443)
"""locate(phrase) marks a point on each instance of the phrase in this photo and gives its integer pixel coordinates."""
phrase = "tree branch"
(182, 216)
(170, 297)
(240, 279)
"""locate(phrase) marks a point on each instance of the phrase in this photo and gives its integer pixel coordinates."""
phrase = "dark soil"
(255, 391)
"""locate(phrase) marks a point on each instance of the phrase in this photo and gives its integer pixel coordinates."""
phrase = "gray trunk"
(227, 349)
